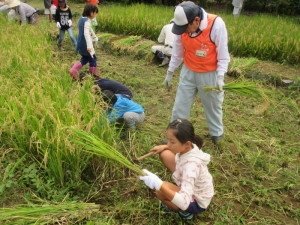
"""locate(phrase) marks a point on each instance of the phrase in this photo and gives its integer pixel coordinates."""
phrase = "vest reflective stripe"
(200, 53)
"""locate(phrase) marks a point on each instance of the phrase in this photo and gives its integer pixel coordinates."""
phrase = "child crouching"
(123, 108)
(186, 161)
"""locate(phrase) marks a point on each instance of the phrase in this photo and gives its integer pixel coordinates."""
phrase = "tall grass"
(262, 36)
(38, 99)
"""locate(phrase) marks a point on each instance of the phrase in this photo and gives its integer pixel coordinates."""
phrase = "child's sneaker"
(166, 208)
(185, 216)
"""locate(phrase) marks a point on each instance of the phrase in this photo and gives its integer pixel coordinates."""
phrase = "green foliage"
(248, 36)
(39, 99)
(47, 213)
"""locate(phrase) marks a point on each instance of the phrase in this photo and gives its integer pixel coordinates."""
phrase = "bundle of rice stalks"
(248, 89)
(94, 145)
(48, 213)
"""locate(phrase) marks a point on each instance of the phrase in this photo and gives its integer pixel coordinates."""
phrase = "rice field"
(53, 130)
(38, 100)
(266, 37)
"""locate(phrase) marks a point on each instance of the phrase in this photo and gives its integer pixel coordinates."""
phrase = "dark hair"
(88, 9)
(184, 131)
(109, 97)
(85, 75)
(60, 2)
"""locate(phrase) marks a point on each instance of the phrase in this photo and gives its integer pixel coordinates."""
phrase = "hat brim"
(14, 4)
(179, 29)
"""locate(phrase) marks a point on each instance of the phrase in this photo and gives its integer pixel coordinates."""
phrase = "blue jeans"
(62, 35)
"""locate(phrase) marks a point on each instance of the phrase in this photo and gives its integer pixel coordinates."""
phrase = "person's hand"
(70, 23)
(151, 180)
(89, 50)
(220, 82)
(95, 39)
(167, 80)
(58, 25)
(158, 149)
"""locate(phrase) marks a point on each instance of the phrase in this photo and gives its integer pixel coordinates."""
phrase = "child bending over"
(123, 108)
(86, 37)
(186, 161)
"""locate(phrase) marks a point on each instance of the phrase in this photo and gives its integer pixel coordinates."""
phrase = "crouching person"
(184, 158)
(27, 13)
(122, 108)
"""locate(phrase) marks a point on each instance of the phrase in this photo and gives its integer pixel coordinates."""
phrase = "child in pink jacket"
(188, 163)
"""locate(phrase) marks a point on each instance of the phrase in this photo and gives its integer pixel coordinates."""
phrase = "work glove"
(70, 23)
(95, 39)
(167, 80)
(58, 25)
(151, 180)
(220, 82)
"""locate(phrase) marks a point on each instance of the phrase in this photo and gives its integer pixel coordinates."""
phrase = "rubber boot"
(75, 68)
(94, 71)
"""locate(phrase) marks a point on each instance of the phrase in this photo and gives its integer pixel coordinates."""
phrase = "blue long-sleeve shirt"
(122, 106)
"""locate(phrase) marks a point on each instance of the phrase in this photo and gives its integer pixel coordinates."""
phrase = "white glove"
(58, 25)
(167, 80)
(220, 82)
(70, 23)
(151, 180)
(95, 39)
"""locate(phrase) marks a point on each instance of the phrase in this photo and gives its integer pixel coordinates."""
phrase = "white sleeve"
(177, 53)
(162, 35)
(22, 14)
(220, 38)
(93, 35)
(87, 35)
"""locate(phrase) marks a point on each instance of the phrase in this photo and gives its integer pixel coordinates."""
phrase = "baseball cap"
(184, 14)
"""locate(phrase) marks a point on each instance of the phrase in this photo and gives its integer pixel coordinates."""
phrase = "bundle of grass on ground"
(48, 213)
(94, 145)
(148, 20)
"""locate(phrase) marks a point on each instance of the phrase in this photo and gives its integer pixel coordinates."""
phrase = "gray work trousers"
(189, 85)
(133, 118)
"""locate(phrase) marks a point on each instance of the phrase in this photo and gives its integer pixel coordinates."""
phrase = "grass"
(256, 177)
(277, 43)
(248, 89)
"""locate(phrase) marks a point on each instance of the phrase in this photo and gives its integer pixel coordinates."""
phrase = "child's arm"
(57, 17)
(87, 36)
(158, 149)
(70, 15)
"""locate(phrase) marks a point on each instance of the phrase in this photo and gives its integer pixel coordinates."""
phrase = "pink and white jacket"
(192, 176)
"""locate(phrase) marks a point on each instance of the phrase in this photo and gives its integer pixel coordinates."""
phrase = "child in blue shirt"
(102, 84)
(122, 107)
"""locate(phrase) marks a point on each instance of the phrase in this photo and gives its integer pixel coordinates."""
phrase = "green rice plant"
(38, 99)
(48, 213)
(248, 36)
(94, 145)
(248, 89)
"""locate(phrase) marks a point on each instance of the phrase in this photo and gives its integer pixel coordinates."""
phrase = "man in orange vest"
(201, 42)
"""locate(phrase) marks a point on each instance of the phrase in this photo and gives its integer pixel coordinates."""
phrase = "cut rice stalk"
(248, 89)
(94, 145)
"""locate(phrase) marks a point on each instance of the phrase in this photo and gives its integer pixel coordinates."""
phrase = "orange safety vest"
(94, 2)
(200, 54)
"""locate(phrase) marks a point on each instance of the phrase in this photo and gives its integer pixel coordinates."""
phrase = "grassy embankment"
(256, 176)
